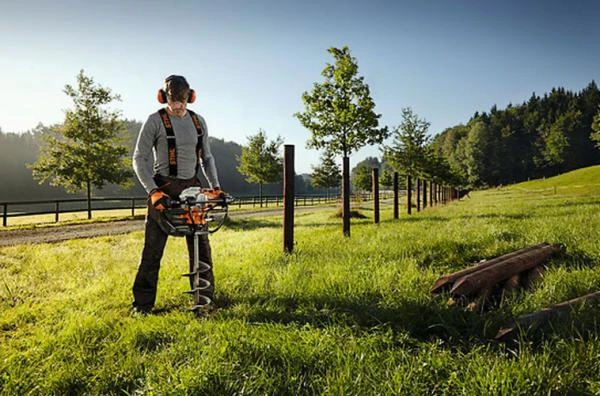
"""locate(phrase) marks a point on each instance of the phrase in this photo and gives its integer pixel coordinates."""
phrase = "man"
(171, 145)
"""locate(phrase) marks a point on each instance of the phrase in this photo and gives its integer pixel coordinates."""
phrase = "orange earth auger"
(198, 212)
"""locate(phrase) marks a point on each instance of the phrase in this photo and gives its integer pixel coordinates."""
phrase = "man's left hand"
(214, 193)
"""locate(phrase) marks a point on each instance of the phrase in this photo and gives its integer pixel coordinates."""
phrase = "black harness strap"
(200, 132)
(171, 146)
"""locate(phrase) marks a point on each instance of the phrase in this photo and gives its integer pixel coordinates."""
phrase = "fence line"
(72, 205)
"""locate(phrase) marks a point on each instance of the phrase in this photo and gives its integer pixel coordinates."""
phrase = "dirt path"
(76, 231)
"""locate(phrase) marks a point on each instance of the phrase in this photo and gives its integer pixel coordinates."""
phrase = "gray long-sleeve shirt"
(150, 156)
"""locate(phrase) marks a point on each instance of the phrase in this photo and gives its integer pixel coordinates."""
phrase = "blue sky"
(250, 61)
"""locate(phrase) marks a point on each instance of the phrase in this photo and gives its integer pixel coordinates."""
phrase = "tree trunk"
(89, 199)
(346, 196)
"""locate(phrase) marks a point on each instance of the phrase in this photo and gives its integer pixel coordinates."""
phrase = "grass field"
(338, 316)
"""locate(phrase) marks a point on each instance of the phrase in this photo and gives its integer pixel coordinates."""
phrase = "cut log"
(445, 282)
(532, 320)
(492, 275)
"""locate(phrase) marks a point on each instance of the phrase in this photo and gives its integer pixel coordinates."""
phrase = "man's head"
(176, 93)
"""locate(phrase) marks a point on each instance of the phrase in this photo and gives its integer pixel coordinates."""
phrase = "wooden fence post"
(4, 214)
(395, 195)
(431, 194)
(288, 199)
(375, 182)
(408, 194)
(418, 194)
(424, 194)
(56, 211)
(346, 196)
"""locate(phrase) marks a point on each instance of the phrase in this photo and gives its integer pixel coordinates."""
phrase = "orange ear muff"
(192, 96)
(161, 96)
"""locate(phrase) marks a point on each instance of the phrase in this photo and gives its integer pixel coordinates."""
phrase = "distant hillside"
(18, 150)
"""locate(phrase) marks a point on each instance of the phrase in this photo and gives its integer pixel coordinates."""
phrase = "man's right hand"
(160, 200)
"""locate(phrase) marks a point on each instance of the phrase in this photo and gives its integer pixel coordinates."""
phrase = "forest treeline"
(19, 150)
(542, 137)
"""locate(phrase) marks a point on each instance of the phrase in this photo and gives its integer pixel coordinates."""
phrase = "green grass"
(583, 181)
(338, 316)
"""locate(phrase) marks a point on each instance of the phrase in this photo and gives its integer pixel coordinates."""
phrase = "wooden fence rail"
(61, 206)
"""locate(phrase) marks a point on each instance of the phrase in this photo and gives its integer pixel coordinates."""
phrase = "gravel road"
(76, 231)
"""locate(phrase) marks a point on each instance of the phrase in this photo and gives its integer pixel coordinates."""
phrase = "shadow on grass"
(576, 258)
(250, 224)
(423, 321)
(579, 324)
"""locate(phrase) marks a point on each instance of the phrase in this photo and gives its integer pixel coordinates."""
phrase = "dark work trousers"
(155, 239)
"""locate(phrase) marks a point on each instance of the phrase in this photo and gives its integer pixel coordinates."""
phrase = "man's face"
(176, 106)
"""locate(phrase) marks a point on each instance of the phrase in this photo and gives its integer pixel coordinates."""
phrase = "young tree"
(362, 177)
(260, 161)
(386, 175)
(407, 154)
(362, 174)
(340, 114)
(327, 174)
(88, 148)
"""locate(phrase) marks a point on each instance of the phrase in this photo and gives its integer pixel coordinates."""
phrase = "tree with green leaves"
(260, 160)
(362, 174)
(340, 114)
(407, 154)
(595, 135)
(327, 174)
(89, 148)
(559, 149)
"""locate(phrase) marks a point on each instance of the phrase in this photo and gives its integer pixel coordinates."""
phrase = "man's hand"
(160, 200)
(214, 193)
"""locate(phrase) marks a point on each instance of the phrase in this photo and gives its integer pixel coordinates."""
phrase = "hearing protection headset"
(161, 96)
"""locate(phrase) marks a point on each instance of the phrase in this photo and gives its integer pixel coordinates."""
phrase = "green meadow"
(338, 316)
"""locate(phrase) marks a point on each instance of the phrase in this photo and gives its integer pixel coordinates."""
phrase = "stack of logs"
(478, 283)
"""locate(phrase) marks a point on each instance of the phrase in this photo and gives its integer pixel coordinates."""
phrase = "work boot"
(141, 311)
